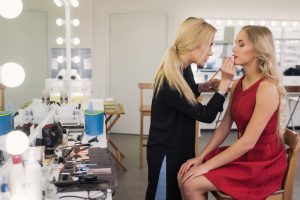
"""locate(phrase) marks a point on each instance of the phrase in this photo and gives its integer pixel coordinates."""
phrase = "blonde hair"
(262, 39)
(192, 32)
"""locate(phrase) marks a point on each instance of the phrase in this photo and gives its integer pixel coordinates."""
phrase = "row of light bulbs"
(60, 22)
(75, 59)
(60, 3)
(11, 74)
(273, 23)
(75, 41)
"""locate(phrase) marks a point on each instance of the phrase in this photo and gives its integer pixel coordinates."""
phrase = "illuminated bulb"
(16, 142)
(58, 3)
(294, 24)
(60, 59)
(208, 21)
(262, 23)
(76, 41)
(229, 22)
(241, 22)
(252, 22)
(284, 24)
(59, 22)
(273, 23)
(10, 8)
(76, 59)
(12, 74)
(74, 3)
(75, 22)
(60, 40)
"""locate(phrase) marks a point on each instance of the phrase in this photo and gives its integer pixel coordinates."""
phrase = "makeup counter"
(67, 135)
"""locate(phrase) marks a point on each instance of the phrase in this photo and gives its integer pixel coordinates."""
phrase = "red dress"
(259, 172)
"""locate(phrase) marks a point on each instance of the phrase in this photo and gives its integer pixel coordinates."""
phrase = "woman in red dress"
(253, 166)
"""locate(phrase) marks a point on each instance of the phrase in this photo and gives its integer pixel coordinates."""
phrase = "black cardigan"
(173, 118)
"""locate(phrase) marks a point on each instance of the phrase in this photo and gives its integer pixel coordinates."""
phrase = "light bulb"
(219, 22)
(229, 22)
(273, 23)
(10, 8)
(12, 74)
(60, 22)
(76, 59)
(60, 40)
(60, 59)
(284, 23)
(76, 41)
(208, 21)
(241, 22)
(58, 3)
(252, 22)
(75, 22)
(294, 24)
(74, 3)
(16, 142)
(262, 23)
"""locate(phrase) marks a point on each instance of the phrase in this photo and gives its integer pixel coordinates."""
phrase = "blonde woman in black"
(175, 107)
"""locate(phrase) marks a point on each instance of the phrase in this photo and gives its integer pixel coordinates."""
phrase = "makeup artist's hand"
(209, 86)
(228, 71)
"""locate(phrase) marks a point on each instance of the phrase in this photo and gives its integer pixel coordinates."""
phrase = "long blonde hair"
(192, 32)
(262, 39)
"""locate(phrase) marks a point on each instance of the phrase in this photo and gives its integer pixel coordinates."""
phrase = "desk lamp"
(11, 75)
(16, 143)
(10, 8)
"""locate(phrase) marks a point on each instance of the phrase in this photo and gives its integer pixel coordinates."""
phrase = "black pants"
(174, 160)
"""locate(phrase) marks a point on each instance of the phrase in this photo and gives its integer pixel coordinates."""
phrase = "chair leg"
(141, 141)
(292, 112)
(218, 120)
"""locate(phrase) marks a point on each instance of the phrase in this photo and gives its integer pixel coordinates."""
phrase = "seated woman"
(253, 166)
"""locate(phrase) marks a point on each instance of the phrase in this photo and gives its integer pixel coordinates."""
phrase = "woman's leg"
(179, 180)
(196, 189)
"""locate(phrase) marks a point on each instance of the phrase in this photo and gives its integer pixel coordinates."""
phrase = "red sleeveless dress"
(259, 172)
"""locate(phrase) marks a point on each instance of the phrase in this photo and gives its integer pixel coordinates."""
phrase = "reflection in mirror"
(286, 35)
(24, 40)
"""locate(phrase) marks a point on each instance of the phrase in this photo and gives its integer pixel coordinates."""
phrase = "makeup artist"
(175, 107)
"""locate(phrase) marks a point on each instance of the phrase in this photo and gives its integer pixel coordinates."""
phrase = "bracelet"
(224, 94)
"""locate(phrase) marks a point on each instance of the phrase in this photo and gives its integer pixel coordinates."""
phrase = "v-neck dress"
(258, 173)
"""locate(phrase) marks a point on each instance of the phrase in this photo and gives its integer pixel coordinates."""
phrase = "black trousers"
(174, 160)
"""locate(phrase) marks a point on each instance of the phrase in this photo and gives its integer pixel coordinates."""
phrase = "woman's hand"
(194, 172)
(209, 86)
(188, 164)
(228, 71)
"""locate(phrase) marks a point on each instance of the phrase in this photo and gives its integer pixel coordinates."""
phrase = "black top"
(189, 77)
(173, 118)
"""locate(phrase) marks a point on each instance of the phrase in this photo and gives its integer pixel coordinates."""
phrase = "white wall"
(177, 11)
(94, 28)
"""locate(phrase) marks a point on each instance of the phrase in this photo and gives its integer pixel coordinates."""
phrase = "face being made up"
(201, 54)
(244, 52)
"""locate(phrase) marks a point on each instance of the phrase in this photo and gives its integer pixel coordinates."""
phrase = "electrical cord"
(103, 196)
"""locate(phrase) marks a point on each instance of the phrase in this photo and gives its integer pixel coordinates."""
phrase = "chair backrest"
(292, 140)
(142, 87)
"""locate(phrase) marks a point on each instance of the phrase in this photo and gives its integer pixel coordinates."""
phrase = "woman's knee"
(198, 184)
(179, 180)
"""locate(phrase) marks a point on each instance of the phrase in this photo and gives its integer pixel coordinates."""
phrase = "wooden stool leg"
(141, 141)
